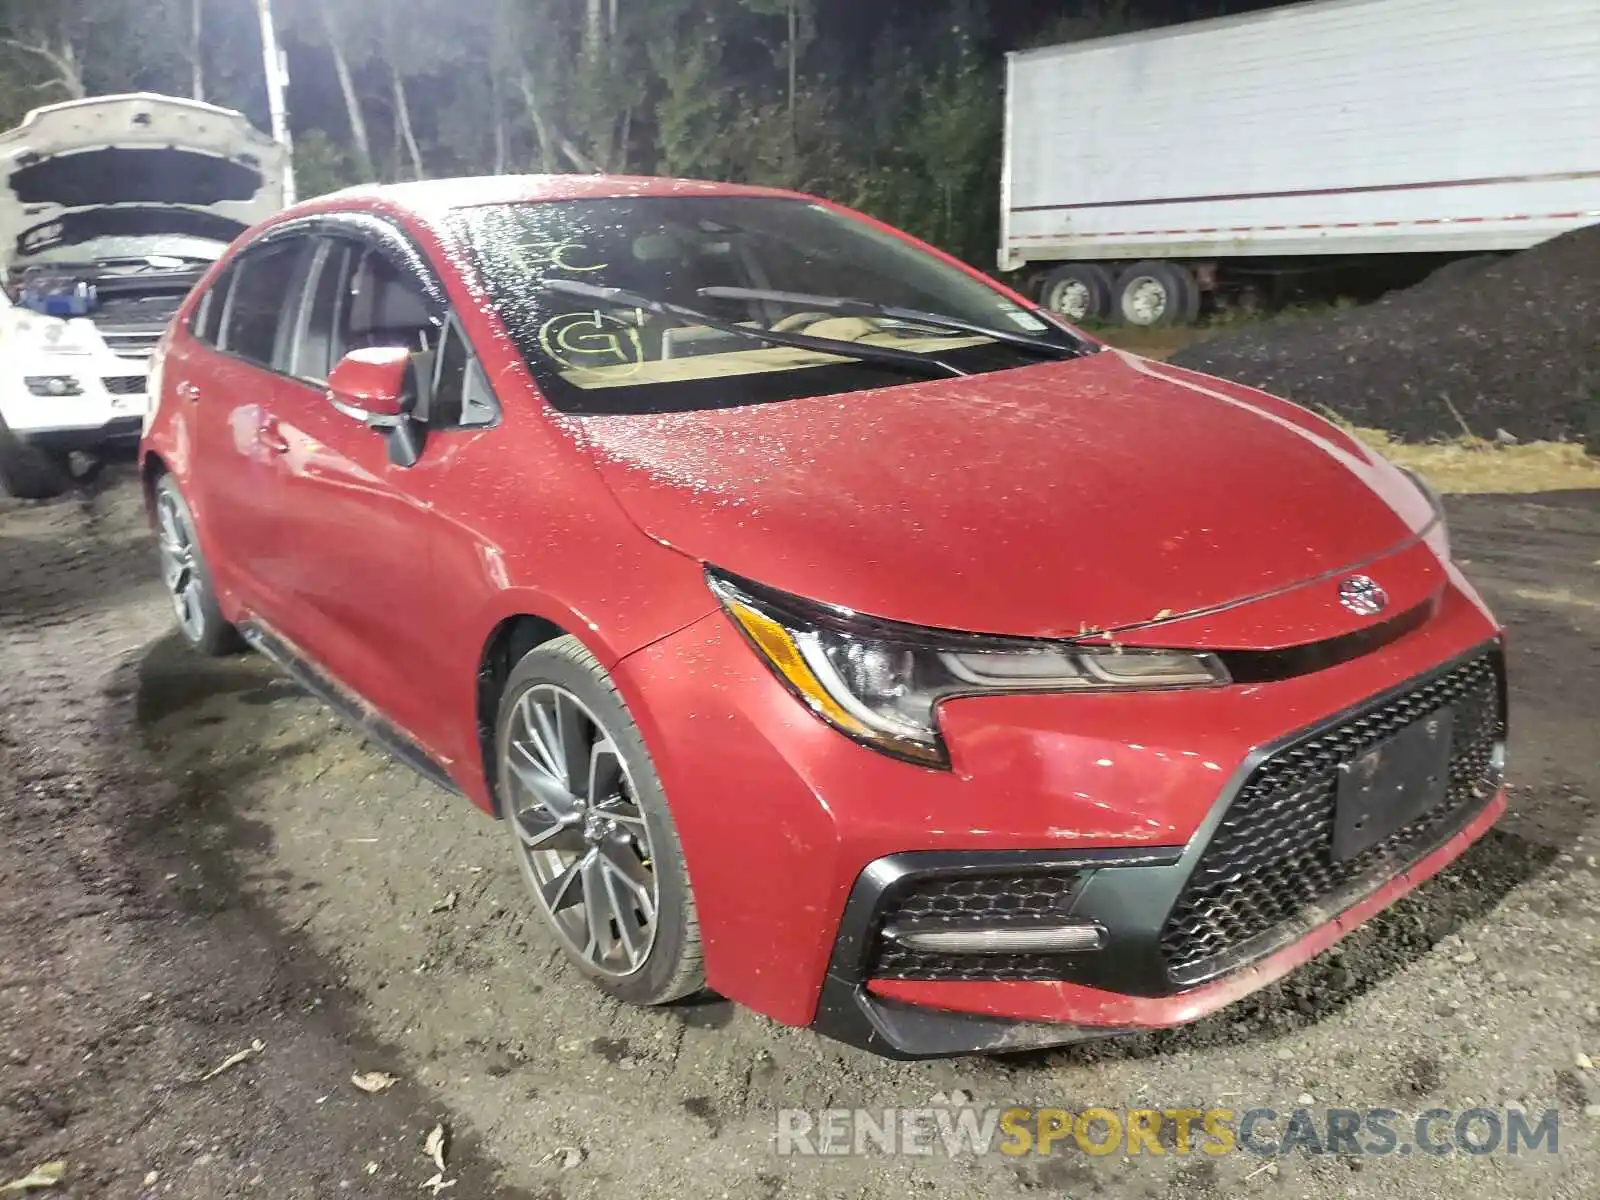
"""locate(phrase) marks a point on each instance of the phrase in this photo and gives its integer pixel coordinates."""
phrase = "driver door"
(363, 573)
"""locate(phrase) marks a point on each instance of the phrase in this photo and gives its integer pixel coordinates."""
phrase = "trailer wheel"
(1078, 292)
(1158, 293)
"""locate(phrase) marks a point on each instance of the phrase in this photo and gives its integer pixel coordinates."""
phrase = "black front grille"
(124, 385)
(129, 343)
(965, 901)
(1268, 873)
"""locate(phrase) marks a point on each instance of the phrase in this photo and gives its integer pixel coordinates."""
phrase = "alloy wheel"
(585, 844)
(179, 569)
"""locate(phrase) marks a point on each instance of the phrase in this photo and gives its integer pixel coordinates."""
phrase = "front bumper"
(108, 414)
(796, 838)
(118, 433)
(914, 1020)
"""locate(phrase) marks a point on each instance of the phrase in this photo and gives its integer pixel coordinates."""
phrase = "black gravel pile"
(1507, 344)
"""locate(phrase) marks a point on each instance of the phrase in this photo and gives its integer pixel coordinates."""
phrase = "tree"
(342, 30)
(906, 124)
(50, 38)
(799, 31)
(196, 49)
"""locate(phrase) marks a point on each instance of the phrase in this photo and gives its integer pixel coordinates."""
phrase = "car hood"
(132, 174)
(1101, 493)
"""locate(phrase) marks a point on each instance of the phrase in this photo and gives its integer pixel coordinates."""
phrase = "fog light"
(1070, 938)
(53, 385)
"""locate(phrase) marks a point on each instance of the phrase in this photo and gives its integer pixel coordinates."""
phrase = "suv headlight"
(880, 682)
(1432, 497)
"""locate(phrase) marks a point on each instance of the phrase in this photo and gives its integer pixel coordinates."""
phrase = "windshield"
(594, 354)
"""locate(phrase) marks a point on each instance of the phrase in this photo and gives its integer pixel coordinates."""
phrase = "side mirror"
(374, 386)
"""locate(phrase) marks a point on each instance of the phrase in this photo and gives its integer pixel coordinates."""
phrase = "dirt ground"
(194, 857)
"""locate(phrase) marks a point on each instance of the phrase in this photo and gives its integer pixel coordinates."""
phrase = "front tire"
(28, 473)
(594, 839)
(187, 579)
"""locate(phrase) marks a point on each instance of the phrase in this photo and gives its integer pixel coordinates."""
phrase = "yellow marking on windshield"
(533, 256)
(592, 341)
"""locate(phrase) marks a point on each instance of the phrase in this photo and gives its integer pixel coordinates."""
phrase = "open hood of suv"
(121, 175)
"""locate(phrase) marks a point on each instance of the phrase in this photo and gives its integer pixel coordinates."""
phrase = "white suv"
(110, 210)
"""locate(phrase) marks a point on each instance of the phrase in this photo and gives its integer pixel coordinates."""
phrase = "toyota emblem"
(1363, 596)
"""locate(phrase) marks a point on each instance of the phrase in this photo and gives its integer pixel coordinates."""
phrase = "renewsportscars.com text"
(1266, 1132)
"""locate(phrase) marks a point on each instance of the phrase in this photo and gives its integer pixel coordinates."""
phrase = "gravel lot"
(195, 856)
(1482, 345)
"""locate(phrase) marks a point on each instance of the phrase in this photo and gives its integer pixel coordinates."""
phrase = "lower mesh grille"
(1014, 897)
(1268, 870)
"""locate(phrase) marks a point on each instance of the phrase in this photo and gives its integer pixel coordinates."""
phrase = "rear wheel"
(1078, 292)
(183, 571)
(591, 830)
(1153, 294)
(29, 473)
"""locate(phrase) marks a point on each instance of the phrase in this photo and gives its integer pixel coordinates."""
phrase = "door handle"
(274, 441)
(188, 391)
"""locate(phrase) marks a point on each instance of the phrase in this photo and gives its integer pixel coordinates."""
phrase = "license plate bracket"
(1390, 785)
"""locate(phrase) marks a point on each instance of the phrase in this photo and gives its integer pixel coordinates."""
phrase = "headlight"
(880, 682)
(1435, 502)
(53, 385)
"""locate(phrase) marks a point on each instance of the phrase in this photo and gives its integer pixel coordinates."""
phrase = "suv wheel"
(593, 836)
(183, 571)
(27, 472)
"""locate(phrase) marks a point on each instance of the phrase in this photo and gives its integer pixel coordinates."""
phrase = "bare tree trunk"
(497, 106)
(197, 68)
(551, 140)
(794, 90)
(402, 111)
(63, 59)
(352, 102)
(794, 58)
(619, 160)
(594, 29)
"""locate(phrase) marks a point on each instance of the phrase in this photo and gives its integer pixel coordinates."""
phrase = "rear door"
(230, 376)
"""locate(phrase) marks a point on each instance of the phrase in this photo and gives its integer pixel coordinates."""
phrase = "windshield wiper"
(851, 307)
(925, 364)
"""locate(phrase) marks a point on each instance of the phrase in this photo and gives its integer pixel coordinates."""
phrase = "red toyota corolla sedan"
(829, 625)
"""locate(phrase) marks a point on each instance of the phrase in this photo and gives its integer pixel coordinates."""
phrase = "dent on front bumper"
(790, 832)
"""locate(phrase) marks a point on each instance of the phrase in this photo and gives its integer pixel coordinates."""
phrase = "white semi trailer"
(1145, 169)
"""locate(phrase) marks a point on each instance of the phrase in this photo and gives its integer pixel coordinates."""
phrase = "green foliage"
(322, 165)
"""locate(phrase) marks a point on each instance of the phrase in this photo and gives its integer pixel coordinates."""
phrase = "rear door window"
(263, 299)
